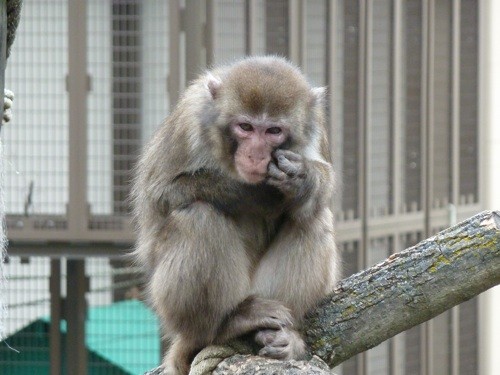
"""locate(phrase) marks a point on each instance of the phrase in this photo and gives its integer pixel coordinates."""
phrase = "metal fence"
(93, 79)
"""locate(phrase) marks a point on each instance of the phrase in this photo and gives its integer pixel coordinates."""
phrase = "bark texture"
(406, 289)
(254, 365)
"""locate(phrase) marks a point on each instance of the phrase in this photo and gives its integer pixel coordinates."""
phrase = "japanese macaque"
(232, 203)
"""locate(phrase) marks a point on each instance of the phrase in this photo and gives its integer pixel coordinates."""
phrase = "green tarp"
(121, 338)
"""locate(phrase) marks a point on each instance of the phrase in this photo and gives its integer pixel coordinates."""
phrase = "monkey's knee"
(202, 228)
(199, 211)
(202, 276)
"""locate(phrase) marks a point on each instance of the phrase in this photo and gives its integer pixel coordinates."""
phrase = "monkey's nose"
(256, 159)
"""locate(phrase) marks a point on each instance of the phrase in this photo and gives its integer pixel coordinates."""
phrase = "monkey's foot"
(255, 314)
(281, 344)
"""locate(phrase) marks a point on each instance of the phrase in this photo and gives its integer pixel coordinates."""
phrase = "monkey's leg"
(178, 358)
(299, 269)
(300, 266)
(202, 275)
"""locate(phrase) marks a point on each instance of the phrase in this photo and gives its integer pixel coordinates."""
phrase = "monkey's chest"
(258, 233)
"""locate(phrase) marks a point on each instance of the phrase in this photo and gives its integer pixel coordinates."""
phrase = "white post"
(489, 339)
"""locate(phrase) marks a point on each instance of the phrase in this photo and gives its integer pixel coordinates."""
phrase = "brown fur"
(224, 257)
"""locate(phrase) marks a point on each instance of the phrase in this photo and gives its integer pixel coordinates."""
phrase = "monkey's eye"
(246, 127)
(274, 130)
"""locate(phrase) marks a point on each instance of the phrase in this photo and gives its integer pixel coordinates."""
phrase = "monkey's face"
(256, 107)
(256, 140)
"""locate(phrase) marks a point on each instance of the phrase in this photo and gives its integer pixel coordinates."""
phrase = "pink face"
(256, 142)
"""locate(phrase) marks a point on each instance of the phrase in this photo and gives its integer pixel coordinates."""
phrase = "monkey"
(231, 201)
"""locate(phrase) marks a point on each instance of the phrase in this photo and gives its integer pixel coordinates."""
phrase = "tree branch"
(405, 290)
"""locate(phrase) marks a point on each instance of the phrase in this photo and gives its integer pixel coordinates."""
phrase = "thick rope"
(210, 357)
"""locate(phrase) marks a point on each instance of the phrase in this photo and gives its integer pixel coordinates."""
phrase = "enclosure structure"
(93, 79)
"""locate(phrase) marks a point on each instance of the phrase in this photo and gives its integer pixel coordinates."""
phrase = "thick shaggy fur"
(224, 257)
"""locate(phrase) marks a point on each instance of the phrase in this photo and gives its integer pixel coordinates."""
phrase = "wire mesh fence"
(370, 54)
(122, 333)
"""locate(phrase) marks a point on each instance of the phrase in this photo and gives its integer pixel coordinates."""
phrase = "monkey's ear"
(213, 85)
(318, 95)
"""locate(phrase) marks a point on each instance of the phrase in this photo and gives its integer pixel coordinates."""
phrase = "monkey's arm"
(202, 185)
(225, 194)
(306, 184)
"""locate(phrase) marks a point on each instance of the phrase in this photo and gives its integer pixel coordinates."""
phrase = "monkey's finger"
(265, 337)
(290, 155)
(275, 323)
(290, 168)
(281, 338)
(274, 172)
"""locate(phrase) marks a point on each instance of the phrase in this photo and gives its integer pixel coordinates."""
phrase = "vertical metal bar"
(293, 30)
(362, 116)
(303, 34)
(398, 342)
(455, 103)
(397, 106)
(487, 355)
(331, 79)
(195, 59)
(424, 352)
(484, 102)
(455, 341)
(174, 51)
(335, 127)
(248, 26)
(363, 109)
(209, 32)
(328, 37)
(455, 163)
(78, 82)
(55, 317)
(296, 45)
(75, 317)
(430, 40)
(429, 114)
(251, 27)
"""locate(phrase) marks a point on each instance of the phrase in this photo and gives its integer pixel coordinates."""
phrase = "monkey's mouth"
(252, 176)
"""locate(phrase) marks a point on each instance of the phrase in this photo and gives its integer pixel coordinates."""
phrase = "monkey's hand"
(288, 173)
(306, 184)
(281, 344)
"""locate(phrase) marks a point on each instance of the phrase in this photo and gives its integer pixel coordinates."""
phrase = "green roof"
(121, 338)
